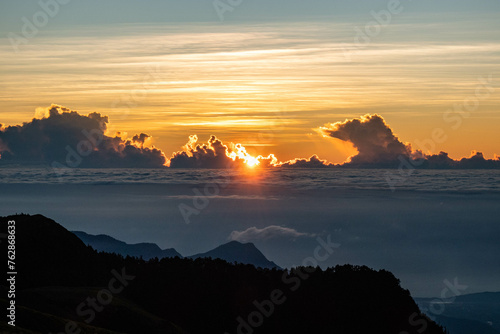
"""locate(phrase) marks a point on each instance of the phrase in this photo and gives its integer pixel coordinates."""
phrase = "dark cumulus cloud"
(379, 147)
(475, 161)
(313, 162)
(63, 138)
(141, 139)
(215, 154)
(372, 137)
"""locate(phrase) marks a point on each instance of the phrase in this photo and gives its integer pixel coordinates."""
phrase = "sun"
(239, 152)
(252, 161)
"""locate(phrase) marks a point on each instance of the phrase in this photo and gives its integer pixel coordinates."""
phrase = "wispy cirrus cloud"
(245, 72)
(266, 233)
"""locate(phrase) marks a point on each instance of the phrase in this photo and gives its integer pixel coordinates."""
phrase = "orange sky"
(267, 86)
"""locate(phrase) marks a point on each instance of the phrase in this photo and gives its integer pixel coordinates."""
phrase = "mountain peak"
(235, 251)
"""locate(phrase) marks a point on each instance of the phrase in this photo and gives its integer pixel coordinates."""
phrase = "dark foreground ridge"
(64, 286)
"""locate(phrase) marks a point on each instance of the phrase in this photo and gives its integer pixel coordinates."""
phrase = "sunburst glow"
(252, 162)
(239, 152)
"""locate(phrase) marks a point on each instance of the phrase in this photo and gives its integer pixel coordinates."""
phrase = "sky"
(266, 74)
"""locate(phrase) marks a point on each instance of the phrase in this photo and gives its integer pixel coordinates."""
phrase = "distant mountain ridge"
(231, 252)
(105, 243)
(235, 251)
(477, 313)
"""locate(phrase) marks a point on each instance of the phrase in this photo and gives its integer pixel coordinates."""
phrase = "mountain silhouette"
(59, 278)
(105, 243)
(234, 251)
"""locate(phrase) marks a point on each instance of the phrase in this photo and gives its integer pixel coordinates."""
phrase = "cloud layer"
(269, 232)
(64, 138)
